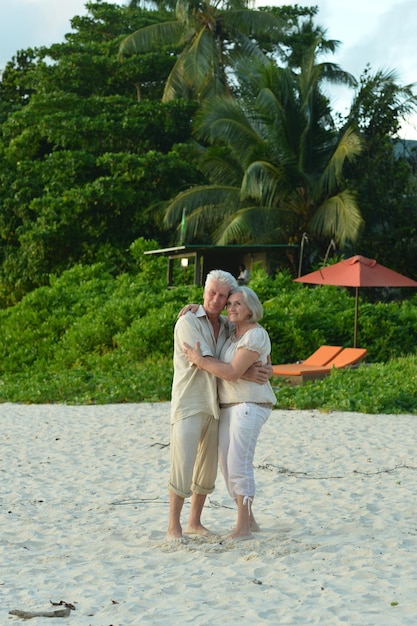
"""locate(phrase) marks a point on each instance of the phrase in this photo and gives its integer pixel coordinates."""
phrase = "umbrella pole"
(355, 333)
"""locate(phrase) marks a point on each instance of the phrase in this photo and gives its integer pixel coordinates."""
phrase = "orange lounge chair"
(319, 358)
(299, 373)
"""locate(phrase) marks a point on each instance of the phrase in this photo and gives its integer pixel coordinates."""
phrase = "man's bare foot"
(200, 530)
(174, 533)
(175, 538)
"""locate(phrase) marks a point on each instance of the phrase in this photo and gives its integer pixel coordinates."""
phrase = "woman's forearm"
(226, 371)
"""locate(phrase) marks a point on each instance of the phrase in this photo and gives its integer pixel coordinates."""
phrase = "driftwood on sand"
(65, 612)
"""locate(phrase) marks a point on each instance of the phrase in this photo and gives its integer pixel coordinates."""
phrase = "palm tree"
(211, 36)
(275, 162)
(386, 179)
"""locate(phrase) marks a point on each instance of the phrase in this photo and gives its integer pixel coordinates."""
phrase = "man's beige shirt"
(193, 390)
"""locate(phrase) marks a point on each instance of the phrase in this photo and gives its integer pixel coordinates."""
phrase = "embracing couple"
(221, 397)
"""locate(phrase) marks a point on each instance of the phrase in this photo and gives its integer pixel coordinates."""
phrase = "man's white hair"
(222, 277)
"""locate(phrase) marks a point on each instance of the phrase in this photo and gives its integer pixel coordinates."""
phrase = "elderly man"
(195, 407)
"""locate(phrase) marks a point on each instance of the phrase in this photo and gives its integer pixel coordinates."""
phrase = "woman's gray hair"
(222, 277)
(252, 301)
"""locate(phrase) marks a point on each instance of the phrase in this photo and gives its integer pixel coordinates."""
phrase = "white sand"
(84, 509)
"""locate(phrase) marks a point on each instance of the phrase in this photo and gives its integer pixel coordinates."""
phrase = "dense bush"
(90, 337)
(378, 388)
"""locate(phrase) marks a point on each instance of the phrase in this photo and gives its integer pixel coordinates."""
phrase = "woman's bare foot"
(237, 536)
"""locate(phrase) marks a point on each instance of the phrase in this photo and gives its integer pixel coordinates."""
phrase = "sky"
(379, 32)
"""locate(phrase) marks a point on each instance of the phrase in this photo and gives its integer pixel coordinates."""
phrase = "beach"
(84, 512)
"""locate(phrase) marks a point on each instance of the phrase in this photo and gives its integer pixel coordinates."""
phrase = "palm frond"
(177, 84)
(202, 64)
(269, 104)
(221, 167)
(250, 71)
(200, 198)
(349, 147)
(251, 223)
(252, 23)
(338, 218)
(224, 120)
(245, 48)
(334, 74)
(151, 38)
(264, 182)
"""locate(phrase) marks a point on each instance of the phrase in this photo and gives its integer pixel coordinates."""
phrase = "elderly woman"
(245, 405)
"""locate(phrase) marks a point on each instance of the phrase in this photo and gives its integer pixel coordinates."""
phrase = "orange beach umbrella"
(357, 271)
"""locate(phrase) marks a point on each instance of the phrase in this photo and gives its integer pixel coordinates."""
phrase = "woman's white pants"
(239, 430)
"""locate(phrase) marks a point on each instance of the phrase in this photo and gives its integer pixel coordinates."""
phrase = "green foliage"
(85, 160)
(300, 319)
(90, 337)
(385, 178)
(75, 202)
(100, 381)
(98, 125)
(375, 388)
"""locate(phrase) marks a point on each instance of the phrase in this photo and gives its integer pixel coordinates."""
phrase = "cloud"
(396, 41)
(387, 43)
